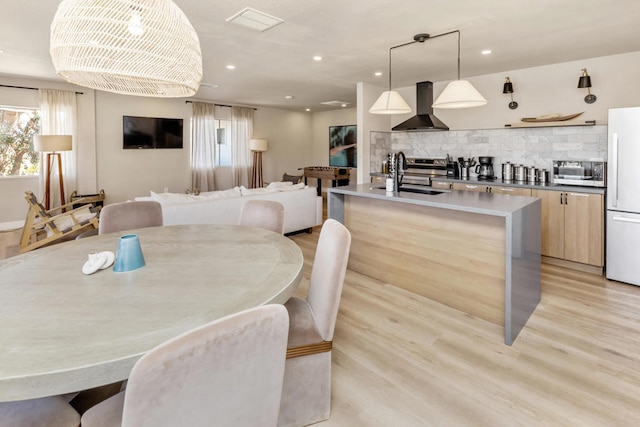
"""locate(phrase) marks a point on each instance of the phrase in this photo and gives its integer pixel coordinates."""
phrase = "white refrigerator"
(623, 196)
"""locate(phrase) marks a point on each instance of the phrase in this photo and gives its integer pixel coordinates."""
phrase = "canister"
(543, 176)
(507, 171)
(532, 174)
(520, 173)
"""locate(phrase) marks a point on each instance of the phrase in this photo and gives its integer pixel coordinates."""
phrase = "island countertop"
(464, 201)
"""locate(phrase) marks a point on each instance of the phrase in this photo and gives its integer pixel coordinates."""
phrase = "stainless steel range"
(420, 170)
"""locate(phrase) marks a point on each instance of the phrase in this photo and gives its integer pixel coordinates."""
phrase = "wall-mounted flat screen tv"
(151, 132)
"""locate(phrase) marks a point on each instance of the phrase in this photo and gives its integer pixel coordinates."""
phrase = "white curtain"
(203, 143)
(241, 132)
(58, 116)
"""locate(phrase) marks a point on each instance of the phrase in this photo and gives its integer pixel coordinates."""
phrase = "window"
(17, 127)
(223, 142)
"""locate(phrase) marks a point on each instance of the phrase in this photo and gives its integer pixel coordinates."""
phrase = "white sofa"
(302, 206)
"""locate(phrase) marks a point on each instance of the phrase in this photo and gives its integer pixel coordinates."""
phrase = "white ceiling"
(354, 37)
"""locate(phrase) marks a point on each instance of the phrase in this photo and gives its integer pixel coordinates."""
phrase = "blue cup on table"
(129, 256)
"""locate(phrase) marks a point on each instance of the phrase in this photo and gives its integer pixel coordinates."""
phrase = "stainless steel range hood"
(424, 119)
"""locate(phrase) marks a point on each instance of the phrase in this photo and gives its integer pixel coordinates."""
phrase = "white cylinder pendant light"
(131, 47)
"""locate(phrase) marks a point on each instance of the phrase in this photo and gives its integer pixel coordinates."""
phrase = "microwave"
(587, 173)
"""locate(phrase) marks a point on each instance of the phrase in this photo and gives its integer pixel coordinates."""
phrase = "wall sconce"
(585, 81)
(508, 88)
(457, 94)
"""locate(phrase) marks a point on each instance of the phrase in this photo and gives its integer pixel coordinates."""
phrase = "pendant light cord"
(421, 38)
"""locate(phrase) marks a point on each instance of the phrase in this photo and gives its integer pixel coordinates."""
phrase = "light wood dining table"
(63, 331)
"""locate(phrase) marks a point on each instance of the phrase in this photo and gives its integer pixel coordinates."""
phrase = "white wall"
(125, 174)
(543, 90)
(290, 141)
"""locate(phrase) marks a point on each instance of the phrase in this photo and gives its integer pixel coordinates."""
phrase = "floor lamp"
(257, 146)
(51, 144)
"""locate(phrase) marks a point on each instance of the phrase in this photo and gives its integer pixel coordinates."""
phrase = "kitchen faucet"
(396, 167)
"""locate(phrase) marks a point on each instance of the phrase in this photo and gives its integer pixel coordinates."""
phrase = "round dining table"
(63, 331)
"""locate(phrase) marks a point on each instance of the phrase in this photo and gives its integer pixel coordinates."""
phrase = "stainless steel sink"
(415, 189)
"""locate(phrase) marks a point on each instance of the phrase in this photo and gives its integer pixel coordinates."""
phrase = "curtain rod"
(220, 105)
(30, 88)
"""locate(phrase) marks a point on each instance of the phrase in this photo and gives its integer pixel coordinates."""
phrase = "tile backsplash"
(528, 146)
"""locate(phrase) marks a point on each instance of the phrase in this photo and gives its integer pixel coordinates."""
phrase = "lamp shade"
(52, 143)
(390, 102)
(459, 94)
(258, 145)
(141, 47)
(584, 81)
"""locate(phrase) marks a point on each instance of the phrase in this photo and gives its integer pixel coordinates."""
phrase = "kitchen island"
(475, 252)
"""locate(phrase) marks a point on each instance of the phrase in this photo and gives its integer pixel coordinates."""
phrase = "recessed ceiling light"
(344, 105)
(317, 58)
(288, 97)
(231, 67)
(486, 52)
(308, 109)
(1, 50)
(377, 73)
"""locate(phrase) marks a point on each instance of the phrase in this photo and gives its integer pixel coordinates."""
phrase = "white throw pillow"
(293, 187)
(278, 184)
(222, 194)
(172, 197)
(253, 191)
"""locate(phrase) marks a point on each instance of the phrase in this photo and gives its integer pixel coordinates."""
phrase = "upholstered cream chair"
(306, 394)
(226, 373)
(267, 214)
(48, 411)
(130, 215)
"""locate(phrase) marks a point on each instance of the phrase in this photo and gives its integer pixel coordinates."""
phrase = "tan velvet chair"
(130, 215)
(226, 373)
(52, 411)
(267, 214)
(306, 394)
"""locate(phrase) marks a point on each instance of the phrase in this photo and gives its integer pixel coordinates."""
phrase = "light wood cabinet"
(469, 187)
(442, 185)
(572, 226)
(515, 191)
(497, 189)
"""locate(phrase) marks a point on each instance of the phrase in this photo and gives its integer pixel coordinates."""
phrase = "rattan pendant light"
(131, 47)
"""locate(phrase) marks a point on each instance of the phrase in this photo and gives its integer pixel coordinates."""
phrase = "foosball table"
(338, 176)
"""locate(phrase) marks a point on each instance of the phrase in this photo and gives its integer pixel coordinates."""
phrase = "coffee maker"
(484, 168)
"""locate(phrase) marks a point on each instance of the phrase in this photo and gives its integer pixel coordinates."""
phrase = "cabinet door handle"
(561, 198)
(566, 202)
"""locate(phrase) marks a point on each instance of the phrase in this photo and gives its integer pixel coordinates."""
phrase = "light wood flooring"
(400, 359)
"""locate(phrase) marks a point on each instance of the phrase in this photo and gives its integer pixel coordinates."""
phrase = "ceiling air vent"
(254, 19)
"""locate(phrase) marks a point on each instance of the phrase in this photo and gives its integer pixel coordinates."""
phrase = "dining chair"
(306, 393)
(52, 411)
(228, 372)
(267, 214)
(130, 215)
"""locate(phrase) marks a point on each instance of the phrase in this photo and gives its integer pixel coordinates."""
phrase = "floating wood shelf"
(549, 124)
